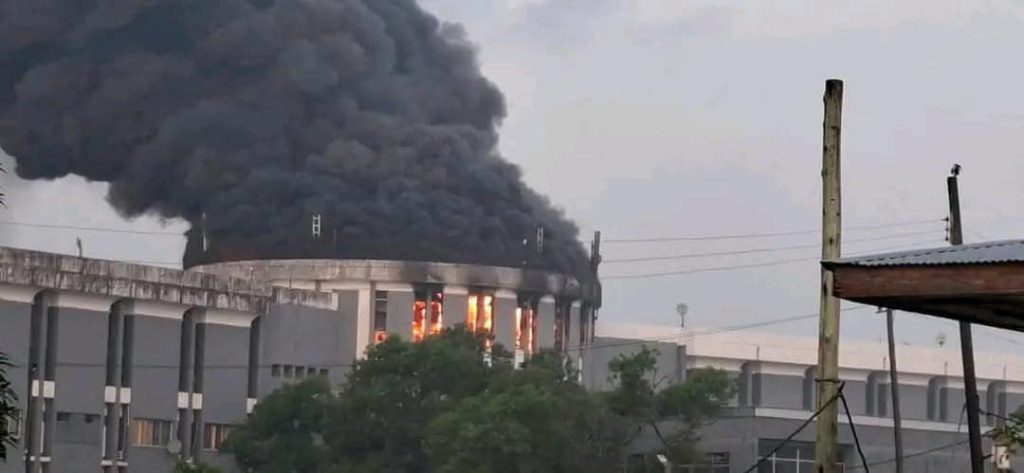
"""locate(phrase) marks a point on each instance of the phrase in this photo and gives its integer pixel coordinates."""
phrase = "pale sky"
(662, 118)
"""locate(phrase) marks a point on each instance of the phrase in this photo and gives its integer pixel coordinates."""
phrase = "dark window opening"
(380, 316)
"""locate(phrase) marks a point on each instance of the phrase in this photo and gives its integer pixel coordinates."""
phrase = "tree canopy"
(445, 405)
(8, 408)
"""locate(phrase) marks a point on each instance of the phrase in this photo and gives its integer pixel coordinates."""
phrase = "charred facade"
(523, 310)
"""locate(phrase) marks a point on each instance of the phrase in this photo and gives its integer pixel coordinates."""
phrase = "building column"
(505, 304)
(546, 324)
(456, 306)
(252, 389)
(124, 391)
(196, 397)
(50, 387)
(111, 405)
(185, 369)
(401, 300)
(34, 412)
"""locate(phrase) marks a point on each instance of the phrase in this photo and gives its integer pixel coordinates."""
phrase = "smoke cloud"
(250, 117)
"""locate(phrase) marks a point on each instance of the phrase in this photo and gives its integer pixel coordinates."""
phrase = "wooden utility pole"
(894, 383)
(828, 326)
(956, 238)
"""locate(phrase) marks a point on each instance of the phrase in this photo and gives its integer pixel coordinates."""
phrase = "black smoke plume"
(250, 117)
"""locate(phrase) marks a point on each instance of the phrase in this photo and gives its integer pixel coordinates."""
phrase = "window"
(324, 372)
(717, 462)
(151, 432)
(380, 316)
(526, 326)
(214, 435)
(275, 371)
(419, 315)
(288, 371)
(63, 416)
(480, 316)
(427, 314)
(561, 319)
(794, 457)
(300, 371)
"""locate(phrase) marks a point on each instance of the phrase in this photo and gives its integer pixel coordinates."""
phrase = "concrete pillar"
(546, 323)
(505, 303)
(456, 299)
(400, 305)
(185, 371)
(33, 414)
(111, 409)
(364, 320)
(572, 342)
(198, 382)
(253, 379)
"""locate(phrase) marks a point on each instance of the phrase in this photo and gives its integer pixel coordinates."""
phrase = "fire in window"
(427, 314)
(480, 313)
(526, 326)
(380, 316)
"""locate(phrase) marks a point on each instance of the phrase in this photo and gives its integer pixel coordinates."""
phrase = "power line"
(756, 250)
(853, 430)
(763, 235)
(912, 455)
(797, 431)
(90, 229)
(711, 331)
(713, 269)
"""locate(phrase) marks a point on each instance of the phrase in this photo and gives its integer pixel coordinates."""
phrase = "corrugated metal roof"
(1010, 251)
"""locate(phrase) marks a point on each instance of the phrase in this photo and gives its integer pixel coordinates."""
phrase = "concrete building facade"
(122, 367)
(776, 393)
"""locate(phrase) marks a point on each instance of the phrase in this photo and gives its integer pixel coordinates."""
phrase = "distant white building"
(776, 392)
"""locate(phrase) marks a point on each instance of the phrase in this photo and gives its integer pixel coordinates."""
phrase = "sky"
(658, 118)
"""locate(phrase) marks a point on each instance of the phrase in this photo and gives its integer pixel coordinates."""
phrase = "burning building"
(346, 141)
(522, 309)
(338, 163)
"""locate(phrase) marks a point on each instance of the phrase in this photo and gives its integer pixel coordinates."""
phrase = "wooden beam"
(974, 311)
(855, 282)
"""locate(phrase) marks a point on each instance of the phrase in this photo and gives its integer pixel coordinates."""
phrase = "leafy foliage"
(8, 408)
(284, 432)
(441, 406)
(536, 419)
(674, 414)
(1010, 430)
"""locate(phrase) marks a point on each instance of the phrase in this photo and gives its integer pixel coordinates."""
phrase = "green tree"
(533, 420)
(8, 400)
(182, 467)
(441, 406)
(8, 408)
(285, 431)
(377, 421)
(674, 414)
